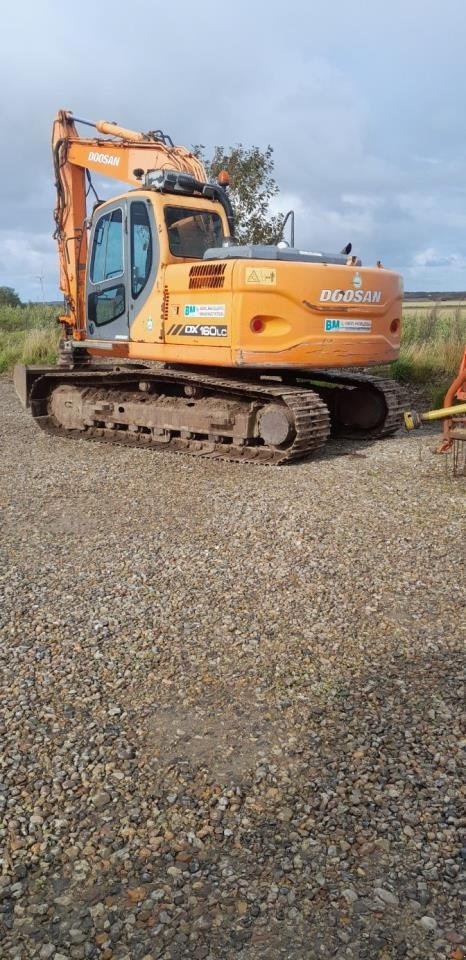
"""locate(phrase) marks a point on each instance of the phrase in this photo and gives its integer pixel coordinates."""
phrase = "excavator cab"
(132, 242)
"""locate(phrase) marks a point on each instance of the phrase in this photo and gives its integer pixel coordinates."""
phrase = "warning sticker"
(264, 275)
(347, 326)
(204, 311)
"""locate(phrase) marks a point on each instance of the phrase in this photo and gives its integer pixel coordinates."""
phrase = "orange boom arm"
(124, 155)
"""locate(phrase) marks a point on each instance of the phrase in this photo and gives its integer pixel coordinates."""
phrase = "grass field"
(432, 344)
(433, 339)
(28, 334)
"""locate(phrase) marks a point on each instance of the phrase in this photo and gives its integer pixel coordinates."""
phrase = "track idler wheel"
(360, 408)
(276, 426)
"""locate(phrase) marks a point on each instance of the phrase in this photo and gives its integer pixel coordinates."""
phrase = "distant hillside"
(44, 303)
(434, 295)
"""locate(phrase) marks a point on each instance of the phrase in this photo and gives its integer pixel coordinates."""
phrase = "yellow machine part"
(262, 313)
(413, 420)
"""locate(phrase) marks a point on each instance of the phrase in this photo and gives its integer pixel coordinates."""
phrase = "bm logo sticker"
(332, 325)
(204, 311)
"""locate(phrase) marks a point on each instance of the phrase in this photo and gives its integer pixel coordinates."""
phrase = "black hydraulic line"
(91, 187)
(87, 123)
(224, 199)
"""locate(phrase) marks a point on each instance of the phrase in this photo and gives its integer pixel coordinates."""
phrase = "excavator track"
(362, 407)
(182, 411)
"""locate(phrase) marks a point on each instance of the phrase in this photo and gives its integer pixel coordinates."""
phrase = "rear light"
(257, 324)
(394, 326)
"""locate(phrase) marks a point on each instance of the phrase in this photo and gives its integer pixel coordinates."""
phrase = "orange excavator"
(177, 337)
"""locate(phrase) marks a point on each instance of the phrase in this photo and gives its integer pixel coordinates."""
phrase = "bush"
(27, 317)
(402, 370)
(28, 334)
(40, 346)
(432, 344)
(9, 297)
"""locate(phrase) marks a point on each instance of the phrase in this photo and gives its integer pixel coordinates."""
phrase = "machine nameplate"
(198, 330)
(105, 158)
(332, 325)
(351, 296)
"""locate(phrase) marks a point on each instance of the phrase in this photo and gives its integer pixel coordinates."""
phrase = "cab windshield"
(192, 232)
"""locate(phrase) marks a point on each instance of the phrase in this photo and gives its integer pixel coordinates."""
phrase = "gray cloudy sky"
(363, 102)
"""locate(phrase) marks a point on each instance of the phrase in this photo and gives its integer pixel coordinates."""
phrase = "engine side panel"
(247, 313)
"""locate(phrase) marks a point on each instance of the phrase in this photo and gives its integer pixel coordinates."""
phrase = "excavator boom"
(124, 155)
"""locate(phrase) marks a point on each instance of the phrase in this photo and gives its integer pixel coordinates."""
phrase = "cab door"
(143, 256)
(108, 275)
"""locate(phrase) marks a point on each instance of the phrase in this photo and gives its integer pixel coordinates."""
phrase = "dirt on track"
(230, 704)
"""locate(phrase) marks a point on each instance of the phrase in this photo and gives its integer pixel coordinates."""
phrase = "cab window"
(105, 306)
(141, 247)
(192, 232)
(107, 250)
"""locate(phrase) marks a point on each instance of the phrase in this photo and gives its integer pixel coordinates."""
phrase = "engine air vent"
(207, 275)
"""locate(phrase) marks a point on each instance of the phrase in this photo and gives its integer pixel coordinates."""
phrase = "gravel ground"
(231, 703)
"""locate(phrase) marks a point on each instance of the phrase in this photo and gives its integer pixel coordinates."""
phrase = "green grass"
(28, 334)
(432, 344)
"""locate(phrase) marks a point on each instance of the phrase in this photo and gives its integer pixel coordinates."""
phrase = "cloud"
(326, 227)
(28, 262)
(434, 269)
(429, 258)
(361, 104)
(432, 258)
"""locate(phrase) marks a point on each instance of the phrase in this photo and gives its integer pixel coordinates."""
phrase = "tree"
(252, 188)
(9, 297)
